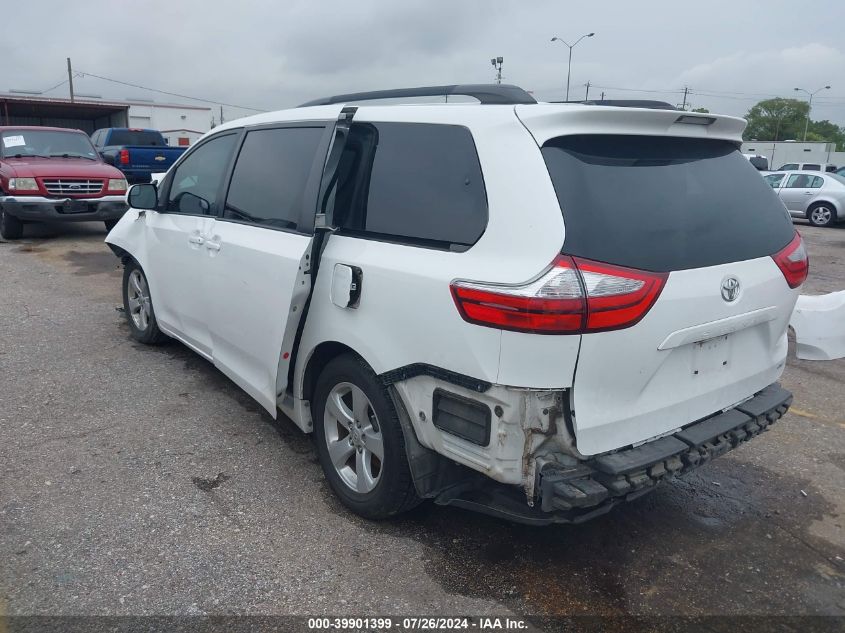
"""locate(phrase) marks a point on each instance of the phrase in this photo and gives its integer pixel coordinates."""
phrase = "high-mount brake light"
(793, 262)
(572, 296)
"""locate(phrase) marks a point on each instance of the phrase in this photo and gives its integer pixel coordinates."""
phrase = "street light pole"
(809, 106)
(497, 64)
(570, 46)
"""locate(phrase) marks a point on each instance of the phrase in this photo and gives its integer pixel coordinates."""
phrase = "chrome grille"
(72, 186)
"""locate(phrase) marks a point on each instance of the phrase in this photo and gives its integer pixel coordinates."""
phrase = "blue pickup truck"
(137, 152)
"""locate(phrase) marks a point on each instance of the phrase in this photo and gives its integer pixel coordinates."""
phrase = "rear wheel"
(360, 441)
(11, 228)
(138, 306)
(822, 214)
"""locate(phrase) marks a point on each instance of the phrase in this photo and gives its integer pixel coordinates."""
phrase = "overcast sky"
(274, 54)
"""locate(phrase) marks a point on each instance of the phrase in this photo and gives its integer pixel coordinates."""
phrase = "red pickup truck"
(55, 175)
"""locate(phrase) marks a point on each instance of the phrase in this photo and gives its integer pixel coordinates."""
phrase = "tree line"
(784, 120)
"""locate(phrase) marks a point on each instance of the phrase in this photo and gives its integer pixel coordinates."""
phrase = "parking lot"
(137, 480)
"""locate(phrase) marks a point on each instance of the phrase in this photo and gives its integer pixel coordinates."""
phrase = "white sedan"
(819, 197)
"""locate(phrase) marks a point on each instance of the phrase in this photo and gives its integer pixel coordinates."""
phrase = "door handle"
(196, 239)
(212, 246)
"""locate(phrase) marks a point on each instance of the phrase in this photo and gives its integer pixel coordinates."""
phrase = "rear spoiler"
(548, 120)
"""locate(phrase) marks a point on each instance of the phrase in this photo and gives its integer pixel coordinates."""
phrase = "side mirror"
(143, 196)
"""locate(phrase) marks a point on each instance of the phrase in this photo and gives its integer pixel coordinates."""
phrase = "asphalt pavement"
(138, 480)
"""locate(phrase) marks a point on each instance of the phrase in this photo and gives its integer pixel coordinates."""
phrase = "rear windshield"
(136, 137)
(663, 204)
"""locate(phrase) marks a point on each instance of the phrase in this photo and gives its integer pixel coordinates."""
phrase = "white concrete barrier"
(819, 324)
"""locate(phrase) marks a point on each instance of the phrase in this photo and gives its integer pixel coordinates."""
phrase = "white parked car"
(535, 310)
(825, 167)
(820, 198)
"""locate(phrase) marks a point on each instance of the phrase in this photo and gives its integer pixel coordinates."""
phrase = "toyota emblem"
(730, 289)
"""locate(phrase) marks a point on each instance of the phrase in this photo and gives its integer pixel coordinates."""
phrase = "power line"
(165, 92)
(61, 83)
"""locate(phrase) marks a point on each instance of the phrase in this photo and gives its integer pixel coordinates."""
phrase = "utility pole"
(587, 95)
(70, 78)
(684, 104)
(221, 115)
(497, 64)
(602, 95)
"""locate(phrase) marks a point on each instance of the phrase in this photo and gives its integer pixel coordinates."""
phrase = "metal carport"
(79, 114)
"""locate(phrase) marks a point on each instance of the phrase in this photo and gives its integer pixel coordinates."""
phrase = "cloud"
(271, 54)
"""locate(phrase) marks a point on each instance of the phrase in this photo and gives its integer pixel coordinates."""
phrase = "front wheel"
(822, 215)
(11, 228)
(138, 306)
(360, 442)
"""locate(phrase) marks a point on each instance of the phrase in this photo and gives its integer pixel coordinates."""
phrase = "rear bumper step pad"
(630, 473)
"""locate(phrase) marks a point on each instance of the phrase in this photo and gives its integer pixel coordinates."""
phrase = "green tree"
(827, 132)
(703, 110)
(776, 120)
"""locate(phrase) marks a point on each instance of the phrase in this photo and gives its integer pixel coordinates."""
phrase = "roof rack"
(626, 103)
(485, 93)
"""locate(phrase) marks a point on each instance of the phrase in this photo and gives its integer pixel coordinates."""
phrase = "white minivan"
(534, 310)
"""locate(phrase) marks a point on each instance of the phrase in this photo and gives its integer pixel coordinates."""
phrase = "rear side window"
(663, 204)
(788, 167)
(804, 181)
(811, 167)
(268, 184)
(411, 182)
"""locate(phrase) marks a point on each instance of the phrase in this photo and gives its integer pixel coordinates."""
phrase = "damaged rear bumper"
(595, 485)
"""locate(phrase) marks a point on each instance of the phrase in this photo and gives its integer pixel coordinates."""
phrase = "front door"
(177, 233)
(257, 273)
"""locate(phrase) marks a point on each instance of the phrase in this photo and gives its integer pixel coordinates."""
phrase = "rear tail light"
(124, 157)
(573, 296)
(618, 297)
(793, 262)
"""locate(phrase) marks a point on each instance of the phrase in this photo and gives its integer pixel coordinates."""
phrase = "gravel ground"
(138, 480)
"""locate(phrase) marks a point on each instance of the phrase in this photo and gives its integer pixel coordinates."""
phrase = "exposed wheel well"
(121, 254)
(322, 354)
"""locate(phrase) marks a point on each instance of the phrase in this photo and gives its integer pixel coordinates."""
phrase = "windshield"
(148, 138)
(663, 204)
(47, 143)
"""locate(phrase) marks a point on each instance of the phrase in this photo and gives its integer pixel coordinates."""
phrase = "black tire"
(109, 224)
(11, 228)
(394, 490)
(827, 219)
(149, 334)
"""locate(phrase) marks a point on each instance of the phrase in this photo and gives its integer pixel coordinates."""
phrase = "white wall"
(781, 152)
(175, 121)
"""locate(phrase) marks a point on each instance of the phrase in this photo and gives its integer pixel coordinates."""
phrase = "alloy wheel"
(821, 215)
(354, 438)
(138, 296)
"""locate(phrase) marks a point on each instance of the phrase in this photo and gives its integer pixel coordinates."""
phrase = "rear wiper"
(66, 155)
